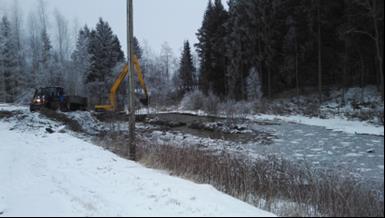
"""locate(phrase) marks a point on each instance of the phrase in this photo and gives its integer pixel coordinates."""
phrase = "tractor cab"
(50, 97)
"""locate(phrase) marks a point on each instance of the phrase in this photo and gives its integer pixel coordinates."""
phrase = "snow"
(57, 174)
(8, 107)
(338, 124)
(335, 124)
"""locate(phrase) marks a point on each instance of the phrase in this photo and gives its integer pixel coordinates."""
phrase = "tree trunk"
(319, 52)
(2, 78)
(297, 74)
(269, 82)
(344, 76)
(362, 76)
(378, 48)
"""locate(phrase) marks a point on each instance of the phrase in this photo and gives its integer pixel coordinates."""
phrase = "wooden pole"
(131, 152)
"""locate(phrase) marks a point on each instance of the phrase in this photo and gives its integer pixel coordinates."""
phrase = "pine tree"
(186, 70)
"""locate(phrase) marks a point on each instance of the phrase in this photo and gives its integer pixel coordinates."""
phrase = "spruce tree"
(211, 48)
(186, 70)
(204, 49)
(105, 53)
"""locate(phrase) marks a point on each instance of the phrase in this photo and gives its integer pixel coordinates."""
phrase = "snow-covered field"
(57, 174)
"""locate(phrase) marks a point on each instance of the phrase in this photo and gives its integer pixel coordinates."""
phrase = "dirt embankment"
(72, 124)
(8, 114)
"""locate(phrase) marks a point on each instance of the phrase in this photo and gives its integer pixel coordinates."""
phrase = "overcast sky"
(156, 21)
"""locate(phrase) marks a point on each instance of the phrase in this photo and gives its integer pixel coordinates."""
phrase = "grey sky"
(156, 21)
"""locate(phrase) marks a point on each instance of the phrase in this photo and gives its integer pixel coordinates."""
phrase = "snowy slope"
(57, 174)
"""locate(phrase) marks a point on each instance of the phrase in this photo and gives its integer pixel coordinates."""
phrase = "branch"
(361, 32)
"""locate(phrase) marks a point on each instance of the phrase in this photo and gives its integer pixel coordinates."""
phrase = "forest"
(253, 50)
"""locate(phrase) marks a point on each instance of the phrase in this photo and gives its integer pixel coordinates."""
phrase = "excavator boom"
(118, 82)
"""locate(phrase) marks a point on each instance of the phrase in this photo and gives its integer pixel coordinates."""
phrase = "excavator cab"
(118, 82)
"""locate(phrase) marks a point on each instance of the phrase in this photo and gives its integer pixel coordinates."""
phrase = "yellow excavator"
(112, 107)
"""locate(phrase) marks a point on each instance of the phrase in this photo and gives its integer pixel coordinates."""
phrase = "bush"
(193, 101)
(233, 109)
(210, 104)
(196, 100)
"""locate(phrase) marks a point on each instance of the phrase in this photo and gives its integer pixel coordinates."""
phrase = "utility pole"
(131, 149)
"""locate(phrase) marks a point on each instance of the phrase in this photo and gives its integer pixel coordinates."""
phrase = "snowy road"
(57, 174)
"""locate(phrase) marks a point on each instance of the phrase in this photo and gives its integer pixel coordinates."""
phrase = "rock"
(371, 151)
(49, 130)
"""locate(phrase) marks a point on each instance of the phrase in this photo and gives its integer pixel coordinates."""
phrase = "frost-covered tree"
(166, 57)
(17, 35)
(46, 74)
(80, 63)
(138, 49)
(8, 62)
(33, 50)
(62, 36)
(3, 94)
(254, 85)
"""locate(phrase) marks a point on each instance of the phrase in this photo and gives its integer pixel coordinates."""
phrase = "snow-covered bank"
(56, 174)
(335, 124)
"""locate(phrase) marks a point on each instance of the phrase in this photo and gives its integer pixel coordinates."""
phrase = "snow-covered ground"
(44, 174)
(9, 107)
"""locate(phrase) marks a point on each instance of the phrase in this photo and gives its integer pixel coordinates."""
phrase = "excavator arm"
(118, 82)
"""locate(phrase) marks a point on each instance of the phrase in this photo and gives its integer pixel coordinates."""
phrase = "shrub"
(193, 101)
(210, 103)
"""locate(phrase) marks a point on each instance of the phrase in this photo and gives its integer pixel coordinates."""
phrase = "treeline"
(44, 55)
(255, 49)
(290, 45)
(44, 51)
